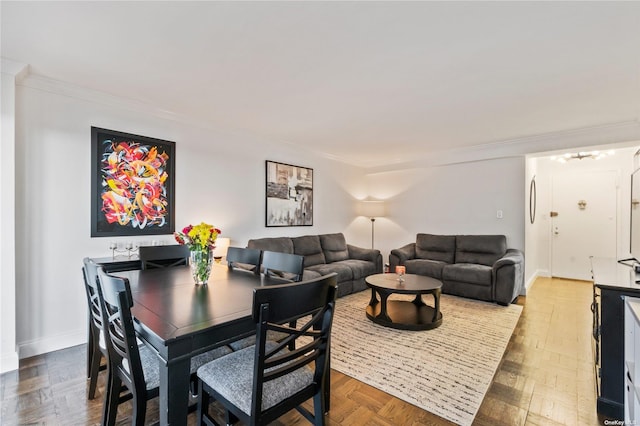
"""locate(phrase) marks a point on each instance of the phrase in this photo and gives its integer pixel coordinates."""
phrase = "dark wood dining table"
(180, 320)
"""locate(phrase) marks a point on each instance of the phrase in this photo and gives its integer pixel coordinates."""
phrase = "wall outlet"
(499, 214)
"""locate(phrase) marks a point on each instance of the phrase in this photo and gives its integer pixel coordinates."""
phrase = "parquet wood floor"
(546, 377)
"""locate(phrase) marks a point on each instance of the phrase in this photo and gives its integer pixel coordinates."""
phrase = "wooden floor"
(545, 378)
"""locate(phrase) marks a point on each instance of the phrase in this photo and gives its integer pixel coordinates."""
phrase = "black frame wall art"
(289, 195)
(132, 184)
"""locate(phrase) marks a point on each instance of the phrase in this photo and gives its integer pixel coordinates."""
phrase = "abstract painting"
(289, 195)
(132, 184)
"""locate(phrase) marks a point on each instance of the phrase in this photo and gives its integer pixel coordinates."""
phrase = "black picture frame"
(289, 195)
(132, 184)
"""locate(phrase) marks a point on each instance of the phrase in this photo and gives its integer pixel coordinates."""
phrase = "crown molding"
(614, 133)
(18, 70)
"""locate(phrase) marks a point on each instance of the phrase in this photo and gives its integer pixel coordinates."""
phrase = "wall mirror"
(532, 199)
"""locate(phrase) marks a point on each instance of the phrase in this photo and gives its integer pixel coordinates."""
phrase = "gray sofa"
(474, 266)
(328, 253)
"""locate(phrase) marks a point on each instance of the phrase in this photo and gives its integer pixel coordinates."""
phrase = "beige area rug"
(445, 371)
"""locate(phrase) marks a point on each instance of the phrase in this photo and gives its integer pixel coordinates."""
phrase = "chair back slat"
(90, 274)
(244, 258)
(274, 262)
(163, 256)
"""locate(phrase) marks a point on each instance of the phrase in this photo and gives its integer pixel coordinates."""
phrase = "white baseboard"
(8, 362)
(534, 277)
(50, 344)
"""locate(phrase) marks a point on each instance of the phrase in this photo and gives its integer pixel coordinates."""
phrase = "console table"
(612, 282)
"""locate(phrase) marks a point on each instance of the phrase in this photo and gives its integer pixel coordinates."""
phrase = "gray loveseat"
(328, 253)
(474, 266)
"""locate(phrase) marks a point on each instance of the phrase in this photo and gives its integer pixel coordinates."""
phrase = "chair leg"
(112, 399)
(318, 408)
(139, 408)
(230, 418)
(90, 349)
(94, 370)
(203, 403)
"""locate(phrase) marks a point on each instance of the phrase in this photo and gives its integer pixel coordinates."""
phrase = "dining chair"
(96, 348)
(286, 265)
(244, 259)
(134, 365)
(282, 265)
(261, 383)
(163, 256)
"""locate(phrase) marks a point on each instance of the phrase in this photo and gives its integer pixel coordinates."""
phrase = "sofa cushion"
(345, 273)
(279, 244)
(467, 273)
(359, 268)
(309, 247)
(429, 268)
(436, 247)
(334, 247)
(480, 249)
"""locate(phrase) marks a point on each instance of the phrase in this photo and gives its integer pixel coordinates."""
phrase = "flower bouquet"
(201, 240)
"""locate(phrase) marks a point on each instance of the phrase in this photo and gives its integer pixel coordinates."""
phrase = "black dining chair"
(163, 256)
(281, 265)
(244, 259)
(261, 383)
(136, 366)
(96, 347)
(286, 265)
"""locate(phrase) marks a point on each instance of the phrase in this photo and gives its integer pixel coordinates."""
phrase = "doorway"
(583, 221)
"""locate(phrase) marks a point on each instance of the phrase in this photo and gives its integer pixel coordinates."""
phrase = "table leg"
(174, 391)
(374, 300)
(383, 307)
(418, 300)
(436, 302)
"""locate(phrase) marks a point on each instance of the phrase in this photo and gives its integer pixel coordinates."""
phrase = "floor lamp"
(372, 210)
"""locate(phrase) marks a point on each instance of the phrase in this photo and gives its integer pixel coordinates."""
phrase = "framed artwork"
(289, 195)
(132, 184)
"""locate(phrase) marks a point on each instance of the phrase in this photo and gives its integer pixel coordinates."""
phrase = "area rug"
(445, 371)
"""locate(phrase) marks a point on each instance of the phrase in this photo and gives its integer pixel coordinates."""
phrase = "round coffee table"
(404, 314)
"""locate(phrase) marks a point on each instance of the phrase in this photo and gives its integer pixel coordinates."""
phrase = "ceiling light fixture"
(594, 155)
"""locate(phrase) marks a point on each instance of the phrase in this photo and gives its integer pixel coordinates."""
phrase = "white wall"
(451, 199)
(219, 179)
(539, 234)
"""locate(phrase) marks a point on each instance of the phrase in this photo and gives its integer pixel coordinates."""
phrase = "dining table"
(179, 320)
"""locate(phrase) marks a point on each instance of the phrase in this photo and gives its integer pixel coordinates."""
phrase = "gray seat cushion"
(359, 268)
(200, 360)
(345, 273)
(232, 377)
(468, 273)
(429, 268)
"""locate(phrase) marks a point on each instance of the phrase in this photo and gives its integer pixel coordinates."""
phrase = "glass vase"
(200, 262)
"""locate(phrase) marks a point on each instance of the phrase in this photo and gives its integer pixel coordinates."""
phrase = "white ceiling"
(368, 83)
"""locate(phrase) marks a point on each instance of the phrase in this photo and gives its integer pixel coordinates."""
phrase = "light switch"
(499, 214)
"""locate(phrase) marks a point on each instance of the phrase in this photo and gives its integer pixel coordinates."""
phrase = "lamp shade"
(222, 245)
(372, 208)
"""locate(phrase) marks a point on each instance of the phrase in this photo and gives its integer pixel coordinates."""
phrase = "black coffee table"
(404, 314)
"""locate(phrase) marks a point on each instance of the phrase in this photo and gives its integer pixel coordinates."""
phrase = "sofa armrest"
(371, 255)
(400, 255)
(511, 257)
(508, 276)
(405, 253)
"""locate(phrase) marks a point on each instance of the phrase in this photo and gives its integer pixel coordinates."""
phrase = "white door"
(583, 221)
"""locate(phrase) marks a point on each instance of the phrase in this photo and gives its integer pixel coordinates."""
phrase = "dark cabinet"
(612, 281)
